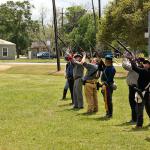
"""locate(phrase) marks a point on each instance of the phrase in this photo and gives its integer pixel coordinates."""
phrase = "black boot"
(64, 94)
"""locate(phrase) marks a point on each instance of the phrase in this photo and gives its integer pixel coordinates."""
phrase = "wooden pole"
(94, 15)
(56, 35)
(99, 6)
(149, 34)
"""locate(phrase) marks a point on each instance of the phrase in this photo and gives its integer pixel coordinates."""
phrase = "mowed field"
(32, 116)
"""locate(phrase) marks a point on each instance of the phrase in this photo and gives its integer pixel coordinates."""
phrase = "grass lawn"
(33, 118)
(32, 60)
(62, 60)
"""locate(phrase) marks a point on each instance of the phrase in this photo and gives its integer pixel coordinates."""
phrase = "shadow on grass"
(85, 114)
(125, 124)
(56, 73)
(147, 139)
(139, 129)
(72, 109)
(103, 118)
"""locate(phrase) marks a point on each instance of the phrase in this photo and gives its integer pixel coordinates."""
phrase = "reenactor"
(65, 90)
(142, 95)
(131, 79)
(108, 85)
(78, 71)
(69, 77)
(90, 82)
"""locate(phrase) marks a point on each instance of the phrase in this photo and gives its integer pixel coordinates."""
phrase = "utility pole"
(62, 18)
(94, 15)
(56, 36)
(149, 34)
(99, 6)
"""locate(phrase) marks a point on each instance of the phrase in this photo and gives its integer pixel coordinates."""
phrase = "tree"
(42, 31)
(127, 21)
(15, 23)
(79, 27)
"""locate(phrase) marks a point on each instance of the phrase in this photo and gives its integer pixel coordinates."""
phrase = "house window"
(5, 52)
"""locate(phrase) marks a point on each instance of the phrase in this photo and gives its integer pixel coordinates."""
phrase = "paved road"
(26, 63)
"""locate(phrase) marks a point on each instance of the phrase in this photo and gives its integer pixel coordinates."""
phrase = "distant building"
(37, 47)
(7, 50)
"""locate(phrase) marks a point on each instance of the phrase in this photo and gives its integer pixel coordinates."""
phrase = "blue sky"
(60, 4)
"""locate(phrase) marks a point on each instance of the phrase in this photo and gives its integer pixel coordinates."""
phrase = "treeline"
(126, 20)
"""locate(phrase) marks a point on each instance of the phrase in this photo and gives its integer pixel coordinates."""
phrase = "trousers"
(91, 97)
(140, 109)
(132, 103)
(71, 84)
(77, 93)
(107, 94)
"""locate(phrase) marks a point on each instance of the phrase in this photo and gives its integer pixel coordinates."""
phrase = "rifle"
(91, 47)
(82, 50)
(62, 41)
(113, 48)
(125, 48)
(64, 45)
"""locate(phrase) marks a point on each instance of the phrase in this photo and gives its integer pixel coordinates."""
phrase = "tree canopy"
(126, 20)
(15, 23)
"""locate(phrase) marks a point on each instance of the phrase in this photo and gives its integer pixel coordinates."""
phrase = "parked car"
(107, 52)
(45, 55)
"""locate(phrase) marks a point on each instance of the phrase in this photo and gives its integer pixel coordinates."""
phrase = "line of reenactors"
(138, 81)
(95, 69)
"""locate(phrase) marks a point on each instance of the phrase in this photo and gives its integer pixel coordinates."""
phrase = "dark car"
(45, 55)
(107, 52)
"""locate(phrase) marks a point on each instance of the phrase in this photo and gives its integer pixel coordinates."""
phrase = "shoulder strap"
(105, 74)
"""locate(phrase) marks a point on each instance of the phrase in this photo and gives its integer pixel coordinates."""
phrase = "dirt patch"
(121, 74)
(4, 67)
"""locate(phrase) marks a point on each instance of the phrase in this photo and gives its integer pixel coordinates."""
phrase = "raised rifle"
(93, 49)
(113, 48)
(62, 41)
(81, 49)
(64, 45)
(125, 48)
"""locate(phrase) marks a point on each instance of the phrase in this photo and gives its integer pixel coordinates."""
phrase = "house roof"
(38, 45)
(3, 42)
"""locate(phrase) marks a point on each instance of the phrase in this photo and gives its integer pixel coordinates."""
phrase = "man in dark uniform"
(143, 90)
(107, 79)
(65, 90)
(69, 76)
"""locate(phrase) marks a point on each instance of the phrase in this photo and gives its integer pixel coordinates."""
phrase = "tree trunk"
(18, 51)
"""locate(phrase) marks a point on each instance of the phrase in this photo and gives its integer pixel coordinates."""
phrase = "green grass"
(34, 69)
(33, 118)
(32, 60)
